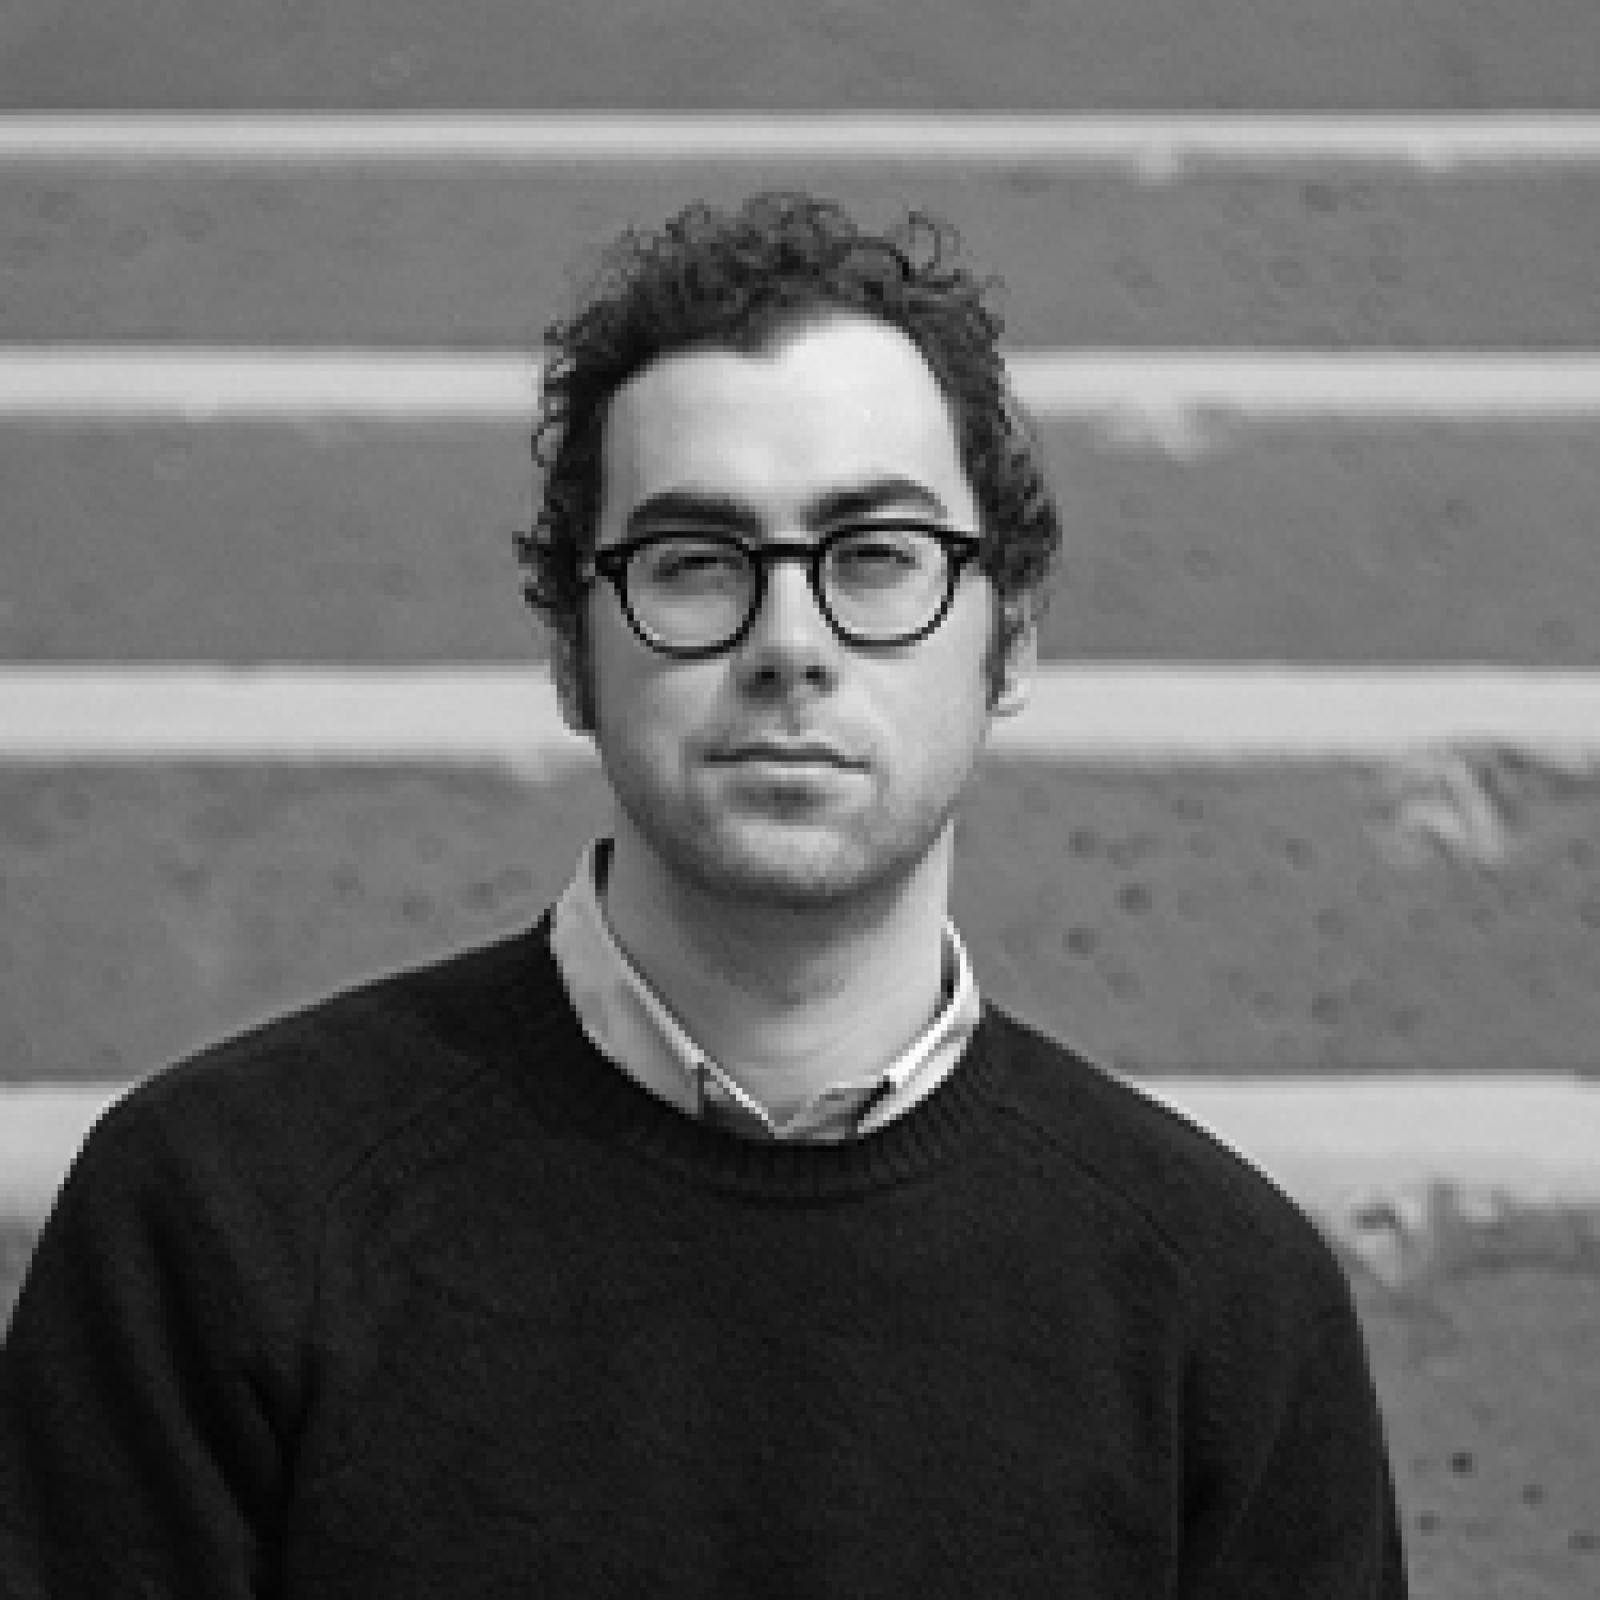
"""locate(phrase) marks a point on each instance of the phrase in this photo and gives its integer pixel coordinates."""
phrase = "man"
(711, 1237)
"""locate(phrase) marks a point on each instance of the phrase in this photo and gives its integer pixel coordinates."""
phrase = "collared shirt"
(627, 1021)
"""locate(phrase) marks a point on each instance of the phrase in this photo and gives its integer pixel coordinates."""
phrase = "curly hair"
(739, 280)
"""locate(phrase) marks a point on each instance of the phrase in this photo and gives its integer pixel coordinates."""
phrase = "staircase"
(1309, 313)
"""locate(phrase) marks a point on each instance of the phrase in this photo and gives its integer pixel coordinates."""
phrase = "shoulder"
(206, 1196)
(1227, 1224)
(295, 1103)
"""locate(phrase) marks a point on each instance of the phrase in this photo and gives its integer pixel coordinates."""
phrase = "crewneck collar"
(557, 1061)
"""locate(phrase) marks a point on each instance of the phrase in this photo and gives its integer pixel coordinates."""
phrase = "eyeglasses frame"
(960, 548)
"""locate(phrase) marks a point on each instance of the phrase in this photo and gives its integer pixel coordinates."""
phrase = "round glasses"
(689, 593)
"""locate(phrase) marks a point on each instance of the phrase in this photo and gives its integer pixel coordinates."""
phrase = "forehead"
(833, 403)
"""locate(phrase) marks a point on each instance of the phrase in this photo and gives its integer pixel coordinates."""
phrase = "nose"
(790, 643)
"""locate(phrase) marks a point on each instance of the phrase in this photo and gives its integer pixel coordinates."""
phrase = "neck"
(788, 1001)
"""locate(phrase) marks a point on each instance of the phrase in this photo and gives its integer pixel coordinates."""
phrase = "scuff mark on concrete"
(1438, 802)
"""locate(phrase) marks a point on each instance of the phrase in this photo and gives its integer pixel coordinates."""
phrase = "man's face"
(841, 421)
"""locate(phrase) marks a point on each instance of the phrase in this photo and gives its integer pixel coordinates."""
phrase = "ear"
(1020, 662)
(569, 678)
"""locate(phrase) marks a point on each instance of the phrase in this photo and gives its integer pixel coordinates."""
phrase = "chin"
(795, 866)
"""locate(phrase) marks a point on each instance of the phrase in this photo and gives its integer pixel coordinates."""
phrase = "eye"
(690, 563)
(881, 556)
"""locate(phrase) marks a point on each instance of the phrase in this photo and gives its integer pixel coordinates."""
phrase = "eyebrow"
(709, 508)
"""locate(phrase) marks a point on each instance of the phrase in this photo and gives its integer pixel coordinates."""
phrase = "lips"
(784, 752)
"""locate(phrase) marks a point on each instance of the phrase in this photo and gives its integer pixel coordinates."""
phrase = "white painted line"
(1326, 1141)
(41, 1128)
(1188, 402)
(199, 383)
(1151, 146)
(507, 717)
(1171, 396)
(1204, 712)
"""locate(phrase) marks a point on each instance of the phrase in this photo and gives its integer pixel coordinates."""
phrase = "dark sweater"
(415, 1294)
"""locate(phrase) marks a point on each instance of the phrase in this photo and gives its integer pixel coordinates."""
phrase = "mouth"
(785, 755)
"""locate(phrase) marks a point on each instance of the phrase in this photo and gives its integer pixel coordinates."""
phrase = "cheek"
(961, 659)
(935, 717)
(644, 715)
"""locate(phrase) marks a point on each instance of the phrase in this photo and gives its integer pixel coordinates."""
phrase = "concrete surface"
(1297, 54)
(1270, 918)
(1320, 254)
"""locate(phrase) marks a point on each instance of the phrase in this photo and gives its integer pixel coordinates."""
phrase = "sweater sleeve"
(1300, 1500)
(147, 1383)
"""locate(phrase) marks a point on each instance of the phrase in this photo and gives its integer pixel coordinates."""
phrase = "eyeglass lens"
(880, 584)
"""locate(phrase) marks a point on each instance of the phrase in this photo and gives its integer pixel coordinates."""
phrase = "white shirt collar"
(628, 1022)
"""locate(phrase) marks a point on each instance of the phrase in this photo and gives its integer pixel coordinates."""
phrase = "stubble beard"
(796, 857)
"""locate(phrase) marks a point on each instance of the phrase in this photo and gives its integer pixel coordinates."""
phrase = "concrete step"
(1484, 251)
(1376, 539)
(948, 54)
(1392, 914)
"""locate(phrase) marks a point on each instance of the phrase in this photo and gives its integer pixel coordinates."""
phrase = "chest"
(808, 1405)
